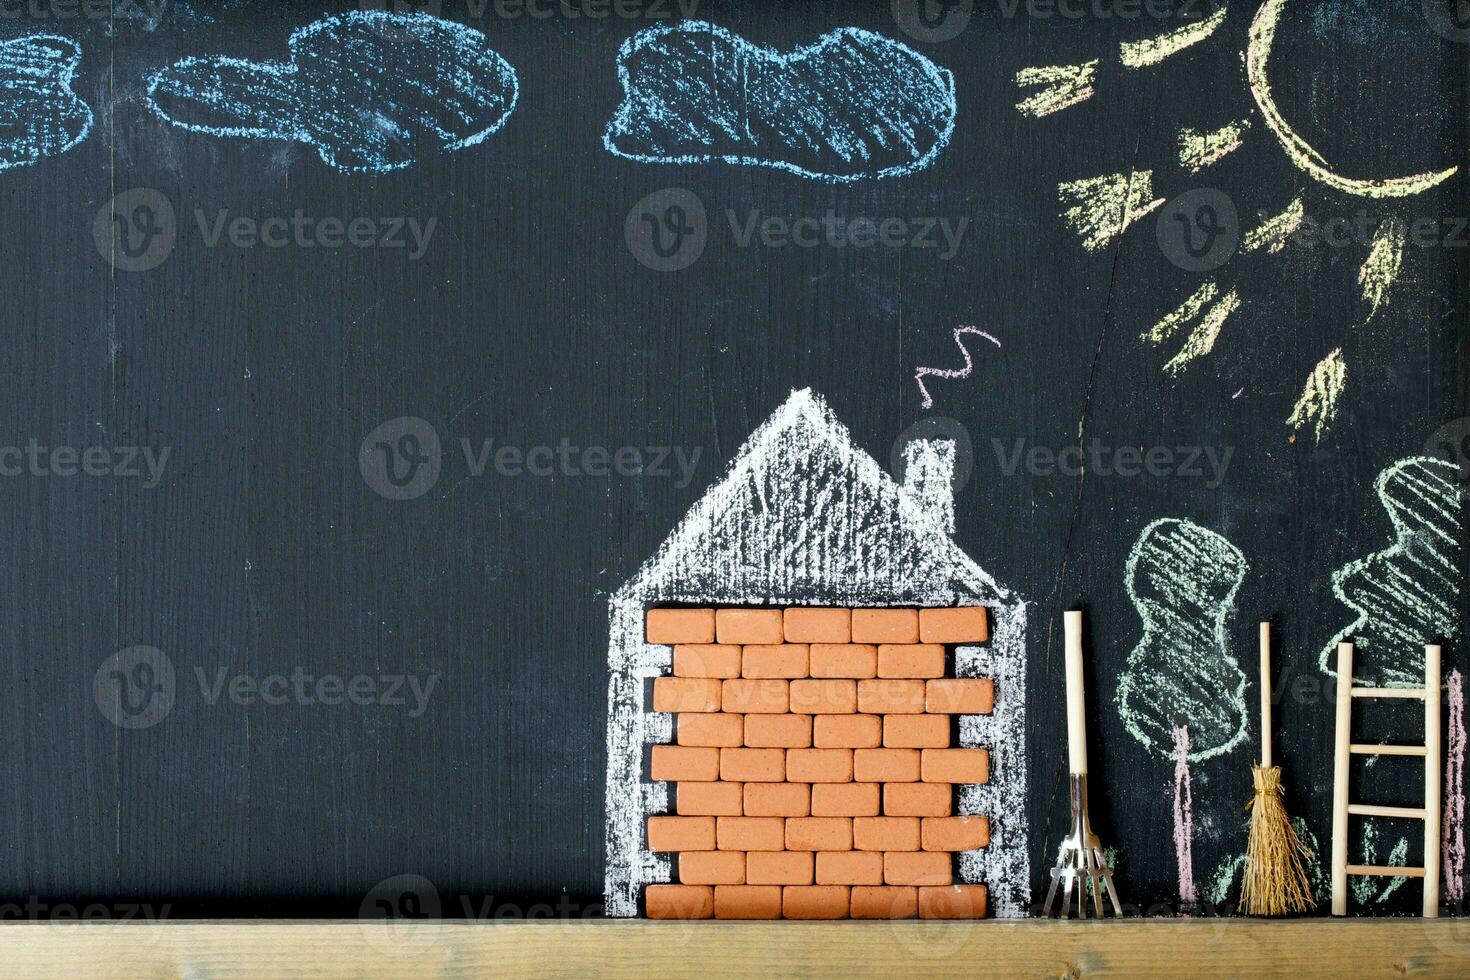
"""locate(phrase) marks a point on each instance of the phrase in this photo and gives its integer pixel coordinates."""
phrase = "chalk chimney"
(928, 478)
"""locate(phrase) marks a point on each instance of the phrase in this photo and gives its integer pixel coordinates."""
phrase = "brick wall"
(813, 768)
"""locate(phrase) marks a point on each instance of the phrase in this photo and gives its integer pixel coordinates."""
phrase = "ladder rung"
(1385, 869)
(1373, 810)
(1388, 692)
(1360, 749)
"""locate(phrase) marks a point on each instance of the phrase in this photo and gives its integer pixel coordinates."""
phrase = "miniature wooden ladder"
(1342, 809)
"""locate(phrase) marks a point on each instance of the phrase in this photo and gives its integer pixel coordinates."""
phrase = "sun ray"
(1318, 404)
(1170, 324)
(1066, 85)
(1101, 208)
(1202, 340)
(1381, 268)
(1198, 150)
(1273, 233)
(1151, 51)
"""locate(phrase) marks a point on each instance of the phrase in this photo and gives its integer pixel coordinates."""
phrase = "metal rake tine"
(1097, 902)
(1051, 893)
(1113, 894)
(1067, 895)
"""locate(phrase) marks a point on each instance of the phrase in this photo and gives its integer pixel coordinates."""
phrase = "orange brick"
(779, 731)
(952, 902)
(681, 833)
(747, 901)
(955, 833)
(753, 765)
(885, 626)
(756, 697)
(679, 901)
(710, 729)
(748, 626)
(819, 834)
(956, 766)
(890, 697)
(969, 696)
(916, 868)
(751, 834)
(916, 799)
(708, 799)
(778, 868)
(879, 902)
(962, 624)
(686, 694)
(706, 660)
(785, 660)
(844, 660)
(684, 763)
(886, 765)
(825, 697)
(777, 799)
(819, 765)
(910, 660)
(808, 624)
(847, 732)
(845, 800)
(886, 833)
(916, 731)
(815, 902)
(711, 868)
(849, 868)
(681, 626)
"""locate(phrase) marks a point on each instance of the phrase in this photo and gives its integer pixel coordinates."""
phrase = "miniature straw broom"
(1275, 882)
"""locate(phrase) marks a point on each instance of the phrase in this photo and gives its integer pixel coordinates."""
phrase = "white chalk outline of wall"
(805, 517)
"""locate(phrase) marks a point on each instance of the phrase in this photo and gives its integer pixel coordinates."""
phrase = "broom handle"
(1266, 695)
(1076, 721)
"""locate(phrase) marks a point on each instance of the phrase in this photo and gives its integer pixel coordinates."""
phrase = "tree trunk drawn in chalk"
(1408, 594)
(1182, 579)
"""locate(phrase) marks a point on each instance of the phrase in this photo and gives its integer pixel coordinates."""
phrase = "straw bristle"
(1275, 881)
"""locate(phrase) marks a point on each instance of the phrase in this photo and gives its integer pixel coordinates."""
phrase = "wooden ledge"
(1300, 949)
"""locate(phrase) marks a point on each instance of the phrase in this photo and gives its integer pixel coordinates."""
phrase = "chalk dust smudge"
(1381, 269)
(1453, 849)
(1318, 404)
(1273, 233)
(1198, 150)
(1100, 209)
(1184, 818)
(1151, 51)
(1065, 86)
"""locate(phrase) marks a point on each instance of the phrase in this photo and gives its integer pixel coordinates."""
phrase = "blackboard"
(262, 546)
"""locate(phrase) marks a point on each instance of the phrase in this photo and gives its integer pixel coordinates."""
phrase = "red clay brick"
(849, 868)
(681, 626)
(880, 902)
(711, 868)
(962, 624)
(916, 799)
(681, 833)
(815, 902)
(956, 766)
(684, 763)
(955, 833)
(696, 728)
(751, 834)
(825, 697)
(885, 626)
(706, 660)
(845, 800)
(895, 697)
(844, 660)
(753, 765)
(847, 732)
(886, 765)
(819, 834)
(916, 868)
(686, 694)
(916, 731)
(779, 868)
(819, 765)
(968, 696)
(952, 902)
(778, 731)
(761, 697)
(778, 799)
(708, 799)
(747, 901)
(748, 626)
(680, 902)
(786, 660)
(886, 833)
(910, 660)
(809, 624)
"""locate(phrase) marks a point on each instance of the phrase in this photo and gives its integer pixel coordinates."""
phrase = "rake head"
(1080, 864)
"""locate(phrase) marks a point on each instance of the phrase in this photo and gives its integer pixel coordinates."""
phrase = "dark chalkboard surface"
(375, 671)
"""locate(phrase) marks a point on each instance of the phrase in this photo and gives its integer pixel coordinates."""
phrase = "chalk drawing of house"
(805, 517)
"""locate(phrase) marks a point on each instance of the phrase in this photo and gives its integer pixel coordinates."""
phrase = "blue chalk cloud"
(853, 105)
(371, 91)
(40, 115)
